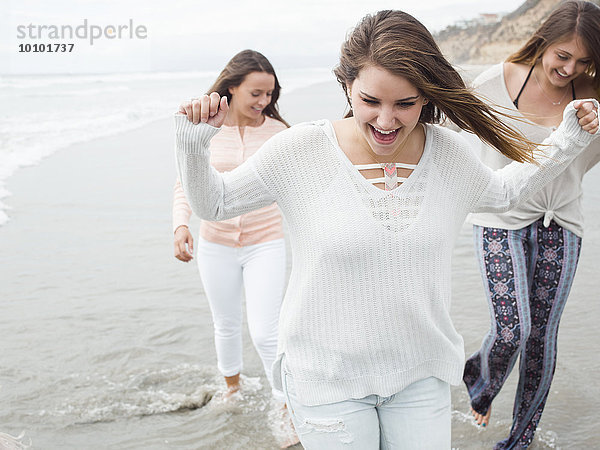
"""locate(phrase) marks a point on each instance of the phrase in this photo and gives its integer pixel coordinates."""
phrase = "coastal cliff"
(488, 43)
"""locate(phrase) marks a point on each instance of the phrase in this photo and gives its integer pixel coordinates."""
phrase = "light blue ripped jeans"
(415, 418)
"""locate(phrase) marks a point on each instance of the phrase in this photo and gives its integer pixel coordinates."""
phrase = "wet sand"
(107, 339)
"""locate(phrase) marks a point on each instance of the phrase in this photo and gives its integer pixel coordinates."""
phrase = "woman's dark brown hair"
(235, 72)
(399, 43)
(571, 18)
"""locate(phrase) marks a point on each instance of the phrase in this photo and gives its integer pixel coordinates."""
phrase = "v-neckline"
(330, 132)
(512, 106)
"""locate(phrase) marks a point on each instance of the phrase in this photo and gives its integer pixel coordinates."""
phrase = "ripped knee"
(336, 426)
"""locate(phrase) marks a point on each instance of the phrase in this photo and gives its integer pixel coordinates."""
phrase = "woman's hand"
(588, 116)
(211, 109)
(183, 237)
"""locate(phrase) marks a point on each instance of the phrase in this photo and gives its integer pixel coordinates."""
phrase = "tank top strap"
(516, 100)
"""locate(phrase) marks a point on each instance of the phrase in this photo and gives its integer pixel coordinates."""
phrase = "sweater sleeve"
(181, 208)
(514, 183)
(212, 195)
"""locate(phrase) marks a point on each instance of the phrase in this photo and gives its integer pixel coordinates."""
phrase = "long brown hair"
(571, 18)
(235, 72)
(399, 43)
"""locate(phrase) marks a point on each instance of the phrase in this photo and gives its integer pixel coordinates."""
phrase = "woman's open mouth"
(561, 76)
(384, 136)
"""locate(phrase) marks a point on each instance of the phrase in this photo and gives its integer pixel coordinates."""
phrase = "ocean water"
(42, 114)
(106, 339)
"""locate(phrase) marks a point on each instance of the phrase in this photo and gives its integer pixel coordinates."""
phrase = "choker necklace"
(548, 98)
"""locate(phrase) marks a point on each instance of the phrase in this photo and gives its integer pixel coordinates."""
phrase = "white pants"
(227, 273)
(416, 418)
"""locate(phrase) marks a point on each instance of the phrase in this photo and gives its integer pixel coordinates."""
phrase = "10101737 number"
(46, 48)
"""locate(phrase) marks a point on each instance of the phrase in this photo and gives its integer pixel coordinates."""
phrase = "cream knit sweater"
(367, 309)
(559, 200)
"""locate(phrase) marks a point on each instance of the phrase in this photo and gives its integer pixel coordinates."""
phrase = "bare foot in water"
(292, 437)
(233, 385)
(482, 419)
(282, 427)
(230, 392)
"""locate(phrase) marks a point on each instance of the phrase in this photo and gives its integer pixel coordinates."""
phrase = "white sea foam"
(548, 438)
(184, 387)
(248, 398)
(8, 442)
(78, 92)
(43, 114)
(106, 399)
(36, 81)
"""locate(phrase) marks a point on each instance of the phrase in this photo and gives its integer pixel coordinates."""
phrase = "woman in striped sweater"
(243, 256)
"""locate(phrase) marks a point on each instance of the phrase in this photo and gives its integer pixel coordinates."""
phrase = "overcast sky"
(199, 34)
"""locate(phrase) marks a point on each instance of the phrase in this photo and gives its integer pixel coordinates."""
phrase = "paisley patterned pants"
(527, 276)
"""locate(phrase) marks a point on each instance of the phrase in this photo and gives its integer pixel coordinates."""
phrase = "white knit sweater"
(367, 309)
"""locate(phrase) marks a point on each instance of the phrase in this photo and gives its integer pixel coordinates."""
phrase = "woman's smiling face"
(253, 95)
(386, 108)
(564, 61)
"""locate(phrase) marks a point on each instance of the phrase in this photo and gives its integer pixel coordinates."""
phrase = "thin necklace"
(548, 98)
(393, 157)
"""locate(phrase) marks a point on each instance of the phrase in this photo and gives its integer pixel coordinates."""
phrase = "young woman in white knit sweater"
(528, 255)
(374, 202)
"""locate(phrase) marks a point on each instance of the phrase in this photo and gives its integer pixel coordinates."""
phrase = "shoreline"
(294, 107)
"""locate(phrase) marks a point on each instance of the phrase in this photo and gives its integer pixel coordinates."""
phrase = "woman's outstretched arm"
(213, 195)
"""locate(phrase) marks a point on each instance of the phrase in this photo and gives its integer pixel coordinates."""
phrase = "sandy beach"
(107, 338)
